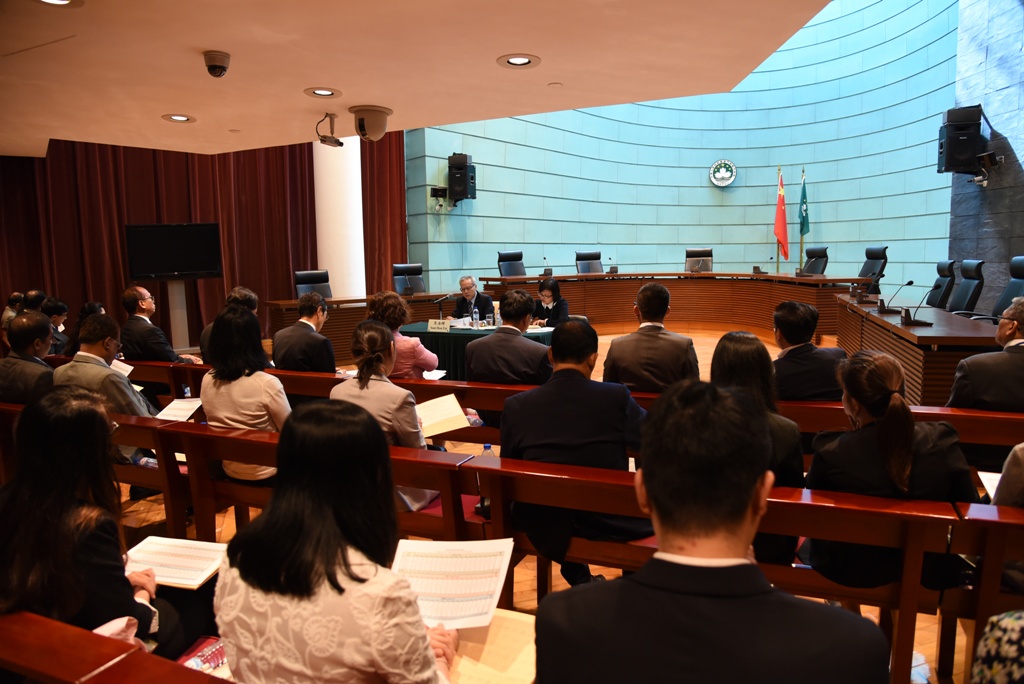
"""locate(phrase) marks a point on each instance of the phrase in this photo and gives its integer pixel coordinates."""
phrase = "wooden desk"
(742, 300)
(929, 354)
(450, 347)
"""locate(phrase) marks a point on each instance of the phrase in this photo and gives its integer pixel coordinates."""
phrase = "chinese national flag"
(781, 232)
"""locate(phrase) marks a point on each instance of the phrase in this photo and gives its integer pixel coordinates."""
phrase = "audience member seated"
(411, 357)
(301, 347)
(551, 309)
(142, 340)
(305, 593)
(13, 308)
(1010, 492)
(652, 358)
(995, 381)
(741, 360)
(57, 310)
(574, 420)
(471, 299)
(24, 376)
(237, 393)
(88, 309)
(701, 610)
(59, 531)
(33, 300)
(507, 357)
(886, 454)
(239, 296)
(803, 371)
(1000, 655)
(373, 348)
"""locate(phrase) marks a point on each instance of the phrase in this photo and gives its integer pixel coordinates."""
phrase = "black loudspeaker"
(961, 141)
(461, 177)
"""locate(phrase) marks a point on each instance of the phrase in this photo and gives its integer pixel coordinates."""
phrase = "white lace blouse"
(371, 633)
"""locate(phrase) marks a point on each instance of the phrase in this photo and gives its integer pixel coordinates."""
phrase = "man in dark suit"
(239, 296)
(652, 358)
(803, 371)
(574, 420)
(140, 339)
(506, 356)
(301, 347)
(24, 376)
(701, 610)
(471, 299)
(995, 381)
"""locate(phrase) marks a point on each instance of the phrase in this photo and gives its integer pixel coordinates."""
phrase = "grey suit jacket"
(990, 382)
(506, 356)
(23, 378)
(94, 374)
(651, 359)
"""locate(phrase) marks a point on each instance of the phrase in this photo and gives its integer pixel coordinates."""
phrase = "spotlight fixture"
(328, 140)
(178, 118)
(322, 92)
(518, 60)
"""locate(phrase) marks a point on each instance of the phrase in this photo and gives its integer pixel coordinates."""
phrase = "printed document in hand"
(180, 409)
(182, 563)
(434, 374)
(441, 415)
(456, 583)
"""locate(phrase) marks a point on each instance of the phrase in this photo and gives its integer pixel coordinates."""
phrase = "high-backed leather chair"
(967, 293)
(313, 281)
(875, 260)
(817, 260)
(511, 263)
(589, 262)
(408, 278)
(943, 286)
(699, 259)
(1014, 288)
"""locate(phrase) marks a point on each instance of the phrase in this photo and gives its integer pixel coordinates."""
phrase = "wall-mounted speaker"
(961, 140)
(461, 177)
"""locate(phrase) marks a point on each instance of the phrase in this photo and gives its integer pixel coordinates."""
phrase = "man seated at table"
(804, 371)
(995, 381)
(301, 347)
(701, 610)
(471, 299)
(652, 358)
(573, 420)
(506, 356)
(24, 376)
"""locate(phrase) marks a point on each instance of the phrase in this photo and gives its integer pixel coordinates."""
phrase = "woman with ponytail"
(886, 454)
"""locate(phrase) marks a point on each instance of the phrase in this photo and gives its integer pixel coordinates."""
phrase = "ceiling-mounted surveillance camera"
(328, 140)
(216, 62)
(371, 121)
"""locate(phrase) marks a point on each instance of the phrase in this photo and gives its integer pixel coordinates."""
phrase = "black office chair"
(699, 259)
(589, 262)
(817, 260)
(1014, 288)
(313, 281)
(965, 298)
(875, 260)
(511, 264)
(943, 286)
(408, 278)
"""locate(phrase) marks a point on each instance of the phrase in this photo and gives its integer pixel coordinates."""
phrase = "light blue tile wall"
(855, 98)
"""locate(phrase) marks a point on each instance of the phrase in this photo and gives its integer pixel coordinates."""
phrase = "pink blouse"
(411, 358)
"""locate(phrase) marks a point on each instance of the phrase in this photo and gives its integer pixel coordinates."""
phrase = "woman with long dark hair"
(305, 592)
(551, 309)
(411, 357)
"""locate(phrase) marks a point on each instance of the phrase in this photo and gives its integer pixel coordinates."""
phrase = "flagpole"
(778, 247)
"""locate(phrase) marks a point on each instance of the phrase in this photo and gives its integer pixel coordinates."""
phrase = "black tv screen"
(173, 251)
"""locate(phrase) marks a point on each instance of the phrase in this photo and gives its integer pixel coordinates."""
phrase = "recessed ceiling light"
(63, 3)
(322, 92)
(518, 60)
(554, 84)
(178, 118)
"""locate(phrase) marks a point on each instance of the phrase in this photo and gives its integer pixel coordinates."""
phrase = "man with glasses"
(301, 347)
(142, 340)
(471, 299)
(24, 376)
(995, 381)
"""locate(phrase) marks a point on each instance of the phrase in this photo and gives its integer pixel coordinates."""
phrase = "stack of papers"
(182, 563)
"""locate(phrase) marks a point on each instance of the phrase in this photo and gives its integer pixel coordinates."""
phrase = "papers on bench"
(181, 563)
(434, 374)
(457, 583)
(538, 331)
(990, 480)
(441, 415)
(180, 409)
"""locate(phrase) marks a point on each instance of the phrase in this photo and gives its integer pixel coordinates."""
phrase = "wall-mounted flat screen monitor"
(173, 251)
(698, 264)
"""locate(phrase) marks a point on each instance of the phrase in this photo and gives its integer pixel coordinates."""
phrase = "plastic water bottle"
(476, 317)
(488, 451)
(497, 319)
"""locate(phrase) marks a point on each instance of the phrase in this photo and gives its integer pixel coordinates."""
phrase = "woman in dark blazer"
(551, 309)
(886, 454)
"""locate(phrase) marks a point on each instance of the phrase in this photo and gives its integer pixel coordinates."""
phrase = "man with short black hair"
(995, 381)
(142, 340)
(804, 371)
(701, 610)
(57, 310)
(301, 347)
(33, 300)
(652, 358)
(472, 299)
(574, 420)
(24, 376)
(239, 296)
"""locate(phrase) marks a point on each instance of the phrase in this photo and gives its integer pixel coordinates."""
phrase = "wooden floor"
(142, 518)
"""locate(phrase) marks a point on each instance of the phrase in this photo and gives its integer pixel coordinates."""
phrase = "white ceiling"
(105, 71)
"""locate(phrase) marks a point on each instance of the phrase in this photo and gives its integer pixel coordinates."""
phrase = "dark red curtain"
(62, 220)
(385, 230)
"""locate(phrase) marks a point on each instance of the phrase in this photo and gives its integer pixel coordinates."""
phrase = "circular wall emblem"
(723, 172)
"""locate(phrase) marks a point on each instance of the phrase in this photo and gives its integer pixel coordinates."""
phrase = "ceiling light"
(178, 118)
(63, 3)
(518, 60)
(322, 92)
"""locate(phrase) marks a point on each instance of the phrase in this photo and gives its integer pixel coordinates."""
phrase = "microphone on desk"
(907, 319)
(862, 295)
(696, 269)
(759, 271)
(883, 309)
(446, 298)
(547, 271)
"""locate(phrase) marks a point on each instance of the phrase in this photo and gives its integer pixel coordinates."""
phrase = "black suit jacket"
(990, 382)
(483, 303)
(143, 341)
(808, 373)
(651, 359)
(559, 312)
(677, 623)
(300, 348)
(507, 357)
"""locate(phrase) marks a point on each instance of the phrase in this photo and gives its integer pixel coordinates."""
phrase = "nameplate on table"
(439, 325)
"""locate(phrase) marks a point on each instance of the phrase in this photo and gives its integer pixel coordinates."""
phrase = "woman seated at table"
(60, 536)
(886, 454)
(305, 593)
(411, 357)
(373, 348)
(551, 309)
(237, 393)
(741, 360)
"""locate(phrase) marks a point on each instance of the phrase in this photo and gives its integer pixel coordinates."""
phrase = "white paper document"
(538, 331)
(182, 563)
(121, 367)
(180, 409)
(456, 583)
(441, 415)
(990, 480)
(434, 374)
